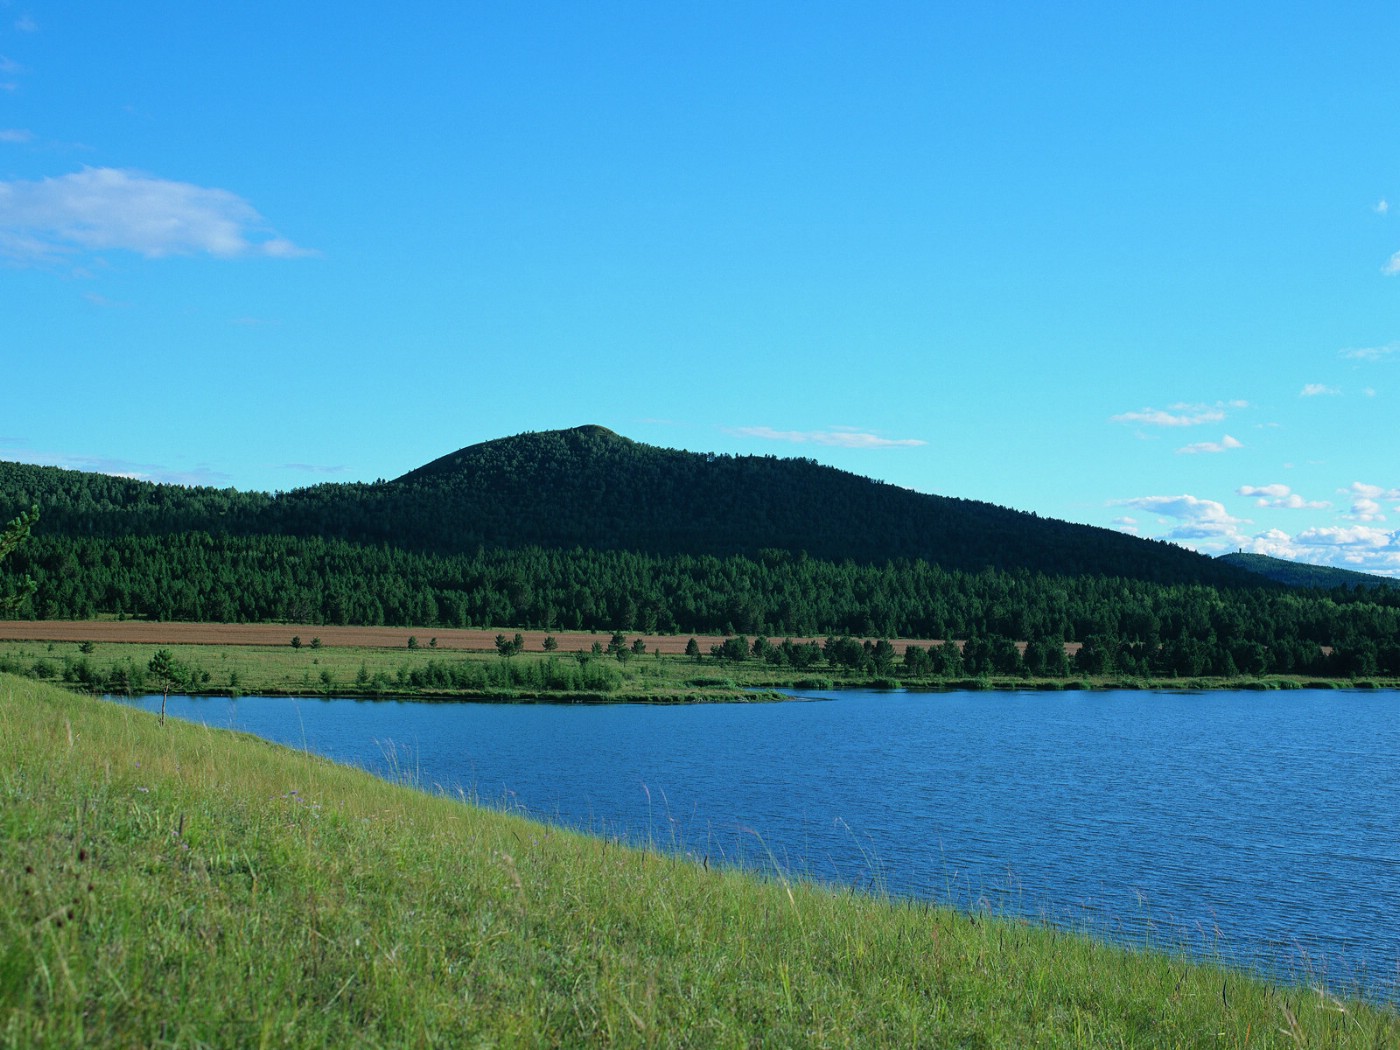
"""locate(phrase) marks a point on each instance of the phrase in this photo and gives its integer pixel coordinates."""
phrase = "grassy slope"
(179, 886)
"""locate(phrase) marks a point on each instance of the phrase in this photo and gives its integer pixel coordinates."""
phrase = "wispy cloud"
(838, 437)
(1391, 268)
(1361, 488)
(105, 209)
(1382, 207)
(16, 136)
(1371, 353)
(1281, 497)
(26, 24)
(1223, 445)
(1181, 414)
(121, 468)
(1318, 390)
(1157, 417)
(10, 70)
(313, 468)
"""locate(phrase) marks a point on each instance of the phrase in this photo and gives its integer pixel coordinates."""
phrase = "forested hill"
(1296, 574)
(590, 488)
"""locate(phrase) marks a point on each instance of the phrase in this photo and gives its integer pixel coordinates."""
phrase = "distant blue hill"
(1297, 574)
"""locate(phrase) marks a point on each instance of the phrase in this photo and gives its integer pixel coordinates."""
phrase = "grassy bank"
(180, 886)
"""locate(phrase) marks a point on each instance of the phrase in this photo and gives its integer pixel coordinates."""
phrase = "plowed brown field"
(148, 633)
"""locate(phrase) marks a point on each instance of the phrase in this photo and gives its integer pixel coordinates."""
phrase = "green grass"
(179, 886)
(375, 672)
(380, 672)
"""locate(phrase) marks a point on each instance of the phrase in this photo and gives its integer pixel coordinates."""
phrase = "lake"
(1259, 826)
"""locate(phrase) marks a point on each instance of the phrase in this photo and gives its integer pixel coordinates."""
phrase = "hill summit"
(589, 487)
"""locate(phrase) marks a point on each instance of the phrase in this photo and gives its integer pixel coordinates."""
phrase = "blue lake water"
(1262, 827)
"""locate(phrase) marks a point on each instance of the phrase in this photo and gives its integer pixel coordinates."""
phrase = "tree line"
(223, 578)
(999, 656)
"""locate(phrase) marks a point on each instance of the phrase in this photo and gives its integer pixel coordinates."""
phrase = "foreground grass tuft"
(183, 887)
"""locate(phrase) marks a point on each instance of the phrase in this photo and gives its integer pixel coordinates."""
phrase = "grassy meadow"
(352, 670)
(425, 671)
(177, 886)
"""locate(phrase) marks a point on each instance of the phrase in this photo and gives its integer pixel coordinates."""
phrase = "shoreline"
(378, 663)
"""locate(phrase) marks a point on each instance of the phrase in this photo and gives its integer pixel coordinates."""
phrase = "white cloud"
(1184, 416)
(1223, 445)
(1183, 508)
(1365, 510)
(1360, 488)
(1280, 496)
(1345, 536)
(26, 24)
(1382, 206)
(1275, 543)
(1365, 505)
(15, 136)
(1205, 525)
(1370, 353)
(1318, 390)
(1364, 491)
(106, 209)
(1363, 549)
(1392, 268)
(839, 437)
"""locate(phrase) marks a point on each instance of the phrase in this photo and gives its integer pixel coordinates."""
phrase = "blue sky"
(1130, 265)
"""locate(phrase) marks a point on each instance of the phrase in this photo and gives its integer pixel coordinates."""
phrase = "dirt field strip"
(145, 632)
